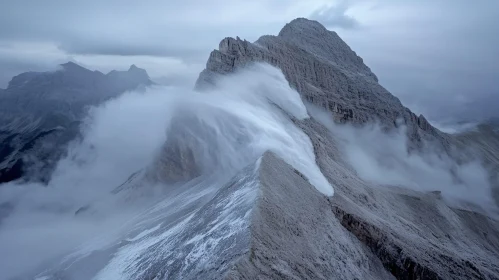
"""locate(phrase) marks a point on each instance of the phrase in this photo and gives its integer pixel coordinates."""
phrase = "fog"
(385, 159)
(230, 127)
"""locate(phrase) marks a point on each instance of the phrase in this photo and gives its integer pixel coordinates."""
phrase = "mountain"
(411, 235)
(326, 72)
(40, 112)
(243, 185)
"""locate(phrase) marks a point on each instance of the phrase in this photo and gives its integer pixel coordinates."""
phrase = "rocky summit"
(325, 71)
(366, 232)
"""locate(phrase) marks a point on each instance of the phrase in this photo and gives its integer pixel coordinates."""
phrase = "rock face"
(325, 71)
(40, 112)
(295, 235)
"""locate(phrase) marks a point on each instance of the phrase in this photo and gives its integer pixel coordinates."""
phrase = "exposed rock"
(176, 162)
(269, 222)
(182, 156)
(294, 234)
(411, 235)
(415, 235)
(326, 72)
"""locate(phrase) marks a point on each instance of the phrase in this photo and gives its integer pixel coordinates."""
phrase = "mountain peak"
(313, 37)
(69, 66)
(134, 75)
(138, 71)
(303, 24)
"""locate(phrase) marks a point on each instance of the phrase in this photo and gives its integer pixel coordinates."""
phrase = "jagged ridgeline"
(408, 234)
(325, 71)
(40, 112)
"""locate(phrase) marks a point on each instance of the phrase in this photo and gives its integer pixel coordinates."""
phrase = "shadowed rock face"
(40, 112)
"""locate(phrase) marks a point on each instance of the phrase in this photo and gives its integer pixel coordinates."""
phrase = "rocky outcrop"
(179, 159)
(326, 72)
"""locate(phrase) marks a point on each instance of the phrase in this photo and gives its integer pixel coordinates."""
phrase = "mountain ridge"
(76, 70)
(49, 105)
(410, 241)
(334, 78)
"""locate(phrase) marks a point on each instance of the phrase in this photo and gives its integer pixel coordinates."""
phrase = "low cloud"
(385, 159)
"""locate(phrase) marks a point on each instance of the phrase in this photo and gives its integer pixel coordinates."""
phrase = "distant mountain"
(40, 113)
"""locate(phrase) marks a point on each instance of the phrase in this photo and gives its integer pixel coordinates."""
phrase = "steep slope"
(40, 112)
(413, 235)
(269, 222)
(416, 235)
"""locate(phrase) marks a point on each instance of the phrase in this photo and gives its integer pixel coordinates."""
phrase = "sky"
(440, 58)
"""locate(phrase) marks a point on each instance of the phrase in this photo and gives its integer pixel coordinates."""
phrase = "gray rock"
(415, 235)
(177, 161)
(295, 235)
(367, 230)
(326, 72)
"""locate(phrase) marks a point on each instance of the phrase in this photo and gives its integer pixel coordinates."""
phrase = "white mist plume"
(384, 158)
(236, 122)
(246, 115)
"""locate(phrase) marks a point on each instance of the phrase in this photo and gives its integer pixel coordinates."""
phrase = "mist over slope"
(414, 155)
(385, 158)
(231, 127)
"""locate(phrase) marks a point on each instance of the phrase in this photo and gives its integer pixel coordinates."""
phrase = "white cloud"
(385, 159)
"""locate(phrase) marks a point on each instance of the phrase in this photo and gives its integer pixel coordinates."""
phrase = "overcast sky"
(440, 57)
